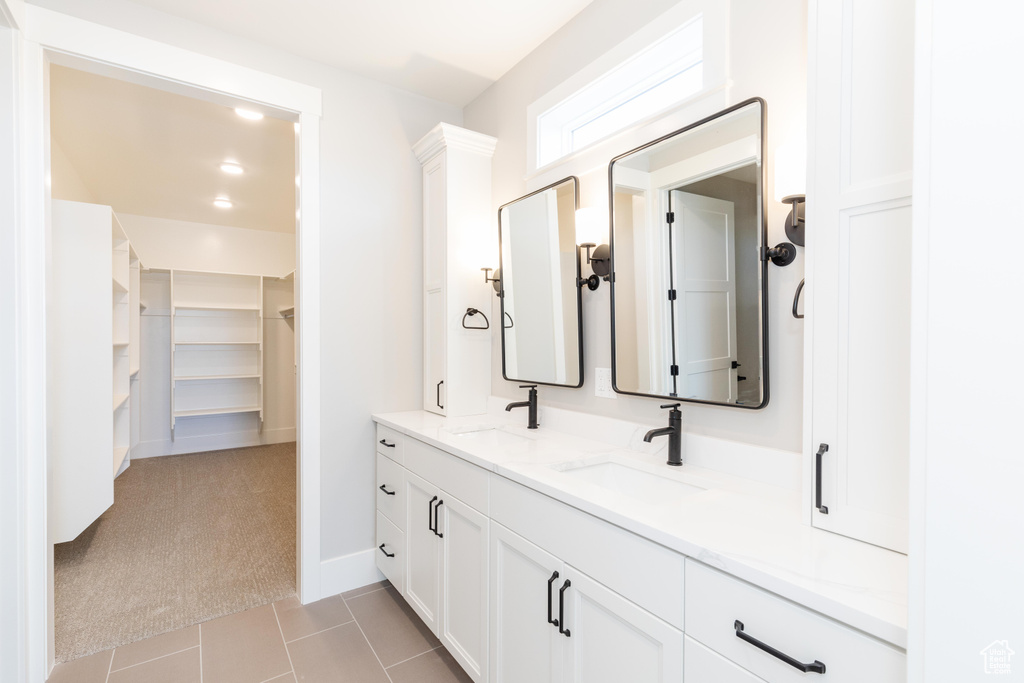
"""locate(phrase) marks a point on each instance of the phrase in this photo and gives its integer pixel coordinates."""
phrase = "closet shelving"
(217, 344)
(122, 256)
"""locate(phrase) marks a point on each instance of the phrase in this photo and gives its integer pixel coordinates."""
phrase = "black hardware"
(531, 404)
(561, 608)
(796, 299)
(814, 667)
(822, 449)
(782, 254)
(430, 515)
(579, 294)
(551, 581)
(511, 323)
(390, 493)
(388, 445)
(437, 509)
(671, 295)
(471, 312)
(735, 364)
(740, 378)
(795, 223)
(386, 553)
(439, 395)
(674, 432)
(764, 377)
(670, 217)
(673, 370)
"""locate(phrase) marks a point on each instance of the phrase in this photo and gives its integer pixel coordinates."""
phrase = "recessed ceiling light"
(231, 167)
(248, 114)
(222, 203)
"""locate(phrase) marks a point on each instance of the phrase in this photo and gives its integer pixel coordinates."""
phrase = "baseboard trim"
(214, 442)
(340, 574)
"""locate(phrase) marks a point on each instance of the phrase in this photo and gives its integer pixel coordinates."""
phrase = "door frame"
(51, 36)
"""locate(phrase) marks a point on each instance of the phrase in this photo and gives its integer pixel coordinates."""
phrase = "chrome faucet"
(531, 404)
(674, 432)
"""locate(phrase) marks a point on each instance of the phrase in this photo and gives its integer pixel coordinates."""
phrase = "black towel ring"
(471, 312)
(510, 321)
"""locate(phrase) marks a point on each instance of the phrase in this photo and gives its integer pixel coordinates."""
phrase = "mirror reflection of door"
(703, 265)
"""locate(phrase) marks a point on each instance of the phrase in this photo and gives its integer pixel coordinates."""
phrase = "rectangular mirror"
(688, 296)
(541, 331)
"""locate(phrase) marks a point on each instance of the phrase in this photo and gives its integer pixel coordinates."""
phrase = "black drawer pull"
(386, 553)
(822, 449)
(551, 581)
(437, 508)
(389, 445)
(561, 608)
(390, 493)
(430, 514)
(439, 395)
(814, 667)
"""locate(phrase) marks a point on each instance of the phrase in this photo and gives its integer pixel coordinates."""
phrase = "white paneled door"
(422, 548)
(463, 625)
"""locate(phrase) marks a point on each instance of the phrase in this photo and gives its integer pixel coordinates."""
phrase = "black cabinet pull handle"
(439, 395)
(796, 300)
(390, 493)
(814, 667)
(386, 553)
(389, 445)
(551, 581)
(822, 449)
(436, 509)
(561, 608)
(430, 514)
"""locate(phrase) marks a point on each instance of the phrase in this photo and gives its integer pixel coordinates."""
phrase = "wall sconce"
(790, 180)
(592, 233)
(495, 281)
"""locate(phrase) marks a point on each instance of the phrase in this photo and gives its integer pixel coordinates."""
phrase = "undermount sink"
(631, 482)
(494, 436)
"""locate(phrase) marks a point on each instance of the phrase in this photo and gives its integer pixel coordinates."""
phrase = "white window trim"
(715, 76)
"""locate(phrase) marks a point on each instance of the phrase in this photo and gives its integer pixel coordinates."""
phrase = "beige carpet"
(189, 538)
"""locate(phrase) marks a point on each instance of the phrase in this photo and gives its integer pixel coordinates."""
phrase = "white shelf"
(216, 411)
(120, 400)
(119, 455)
(287, 312)
(217, 343)
(119, 288)
(246, 309)
(199, 378)
(120, 345)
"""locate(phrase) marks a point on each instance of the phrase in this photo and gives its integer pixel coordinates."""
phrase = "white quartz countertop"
(746, 528)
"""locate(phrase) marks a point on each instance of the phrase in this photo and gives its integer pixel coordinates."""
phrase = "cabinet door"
(861, 86)
(422, 549)
(524, 582)
(705, 666)
(434, 344)
(611, 639)
(463, 626)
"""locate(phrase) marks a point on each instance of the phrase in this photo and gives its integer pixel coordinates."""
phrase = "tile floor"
(369, 635)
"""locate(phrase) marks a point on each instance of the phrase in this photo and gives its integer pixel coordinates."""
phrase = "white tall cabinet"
(459, 237)
(856, 437)
(92, 352)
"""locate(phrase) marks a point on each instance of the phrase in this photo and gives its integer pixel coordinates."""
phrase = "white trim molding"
(12, 14)
(349, 572)
(446, 136)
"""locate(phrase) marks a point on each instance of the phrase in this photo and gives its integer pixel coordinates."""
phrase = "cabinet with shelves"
(216, 344)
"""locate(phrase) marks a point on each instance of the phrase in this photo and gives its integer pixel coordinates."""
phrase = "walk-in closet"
(172, 354)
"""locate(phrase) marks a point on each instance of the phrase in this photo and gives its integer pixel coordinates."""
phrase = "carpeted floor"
(189, 538)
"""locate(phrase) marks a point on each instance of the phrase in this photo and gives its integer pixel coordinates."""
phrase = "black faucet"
(674, 431)
(531, 404)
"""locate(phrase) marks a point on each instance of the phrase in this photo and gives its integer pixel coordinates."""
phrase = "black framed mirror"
(689, 294)
(541, 304)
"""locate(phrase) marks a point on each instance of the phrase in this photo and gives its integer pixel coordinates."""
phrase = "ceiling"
(448, 50)
(152, 153)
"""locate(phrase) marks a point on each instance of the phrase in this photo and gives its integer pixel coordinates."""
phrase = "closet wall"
(178, 245)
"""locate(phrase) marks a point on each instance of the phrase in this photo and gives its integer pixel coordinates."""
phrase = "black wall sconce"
(495, 281)
(783, 253)
(600, 262)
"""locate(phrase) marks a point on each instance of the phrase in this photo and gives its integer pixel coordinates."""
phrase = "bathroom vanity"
(572, 552)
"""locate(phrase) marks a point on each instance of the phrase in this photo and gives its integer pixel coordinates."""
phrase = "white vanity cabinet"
(857, 406)
(457, 222)
(552, 623)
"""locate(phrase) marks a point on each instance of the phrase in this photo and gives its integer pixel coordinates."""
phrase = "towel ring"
(472, 312)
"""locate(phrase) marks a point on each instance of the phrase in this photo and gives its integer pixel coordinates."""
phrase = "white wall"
(767, 58)
(65, 180)
(371, 242)
(164, 244)
(967, 513)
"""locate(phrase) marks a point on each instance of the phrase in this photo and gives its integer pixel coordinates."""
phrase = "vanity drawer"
(390, 552)
(391, 490)
(701, 665)
(455, 476)
(718, 605)
(390, 443)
